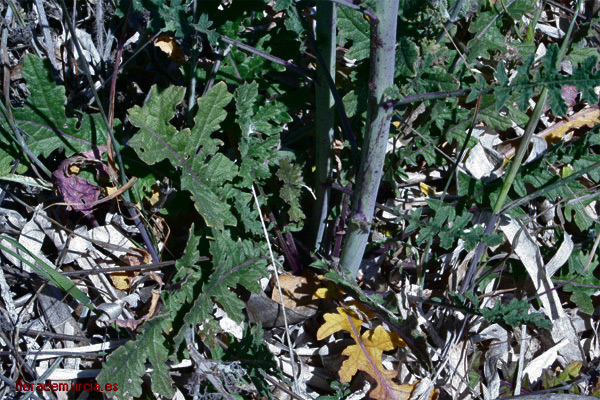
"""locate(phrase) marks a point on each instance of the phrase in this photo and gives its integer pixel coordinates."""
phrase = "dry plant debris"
(182, 183)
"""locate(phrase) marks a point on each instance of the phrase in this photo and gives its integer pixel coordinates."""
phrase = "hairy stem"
(383, 41)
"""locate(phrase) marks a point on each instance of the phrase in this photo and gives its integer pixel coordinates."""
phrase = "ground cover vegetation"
(387, 199)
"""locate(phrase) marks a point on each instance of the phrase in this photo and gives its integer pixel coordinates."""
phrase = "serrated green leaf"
(494, 119)
(522, 83)
(519, 8)
(556, 102)
(260, 128)
(291, 176)
(282, 5)
(578, 54)
(187, 149)
(157, 139)
(126, 365)
(585, 81)
(489, 39)
(43, 119)
(549, 62)
(235, 262)
(501, 75)
(407, 55)
(354, 28)
(582, 300)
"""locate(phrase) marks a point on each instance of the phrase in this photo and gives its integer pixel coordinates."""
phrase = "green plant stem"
(565, 44)
(523, 146)
(383, 40)
(530, 35)
(325, 105)
(193, 67)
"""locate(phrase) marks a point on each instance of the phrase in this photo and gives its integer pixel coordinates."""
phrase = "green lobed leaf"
(126, 365)
(234, 262)
(355, 28)
(407, 55)
(291, 176)
(189, 148)
(260, 127)
(42, 118)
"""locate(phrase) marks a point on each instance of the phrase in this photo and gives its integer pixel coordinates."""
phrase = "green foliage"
(584, 78)
(291, 177)
(43, 121)
(354, 28)
(566, 376)
(126, 365)
(341, 390)
(232, 141)
(515, 314)
(158, 140)
(582, 282)
(538, 175)
(254, 357)
(446, 225)
(199, 288)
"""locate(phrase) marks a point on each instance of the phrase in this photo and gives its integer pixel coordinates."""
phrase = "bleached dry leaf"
(529, 254)
(561, 256)
(32, 238)
(483, 163)
(536, 366)
(551, 31)
(538, 149)
(60, 317)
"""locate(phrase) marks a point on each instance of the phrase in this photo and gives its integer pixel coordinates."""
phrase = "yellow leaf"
(155, 195)
(338, 322)
(74, 169)
(168, 45)
(110, 190)
(588, 117)
(122, 280)
(329, 292)
(426, 189)
(366, 356)
(298, 292)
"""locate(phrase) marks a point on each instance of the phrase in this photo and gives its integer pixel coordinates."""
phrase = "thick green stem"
(325, 104)
(524, 145)
(383, 41)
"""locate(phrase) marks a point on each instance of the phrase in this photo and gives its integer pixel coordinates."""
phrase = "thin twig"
(276, 273)
(299, 70)
(39, 5)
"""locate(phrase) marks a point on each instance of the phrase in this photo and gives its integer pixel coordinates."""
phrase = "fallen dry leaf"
(298, 292)
(366, 354)
(588, 117)
(168, 45)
